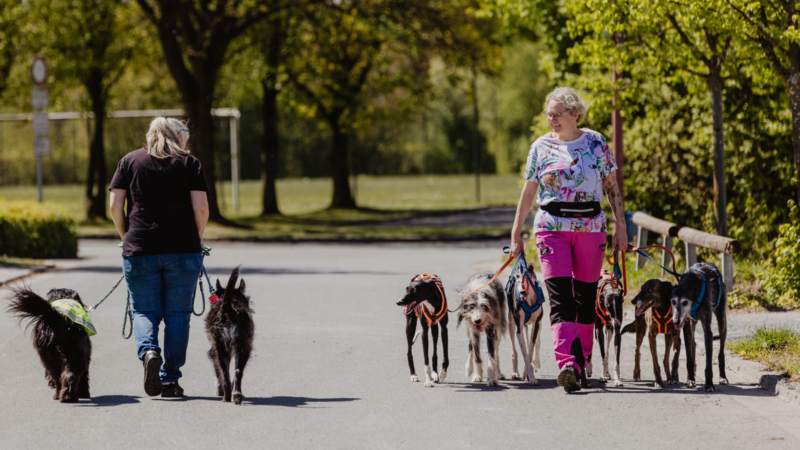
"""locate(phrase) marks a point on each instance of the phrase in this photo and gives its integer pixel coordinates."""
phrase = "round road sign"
(38, 71)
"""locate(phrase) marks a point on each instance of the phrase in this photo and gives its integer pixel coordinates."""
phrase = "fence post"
(691, 255)
(668, 245)
(641, 241)
(727, 270)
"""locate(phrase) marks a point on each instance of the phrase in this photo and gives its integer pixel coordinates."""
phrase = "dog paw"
(690, 384)
(226, 399)
(710, 388)
(435, 377)
(442, 375)
(589, 370)
(618, 383)
(220, 391)
(515, 376)
(723, 381)
(535, 382)
(658, 384)
(501, 376)
(492, 383)
(414, 379)
(429, 383)
(476, 379)
(237, 398)
(602, 380)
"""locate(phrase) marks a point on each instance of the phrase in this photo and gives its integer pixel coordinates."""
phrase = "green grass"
(778, 348)
(304, 203)
(8, 261)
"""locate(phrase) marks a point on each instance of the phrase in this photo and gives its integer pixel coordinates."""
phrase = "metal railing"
(725, 246)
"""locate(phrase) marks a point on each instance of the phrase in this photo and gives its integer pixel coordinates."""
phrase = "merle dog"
(608, 306)
(486, 311)
(63, 345)
(425, 300)
(525, 313)
(654, 316)
(699, 294)
(229, 326)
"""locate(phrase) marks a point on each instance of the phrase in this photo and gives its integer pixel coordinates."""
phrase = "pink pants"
(571, 263)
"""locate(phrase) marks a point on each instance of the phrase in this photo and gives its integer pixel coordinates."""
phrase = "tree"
(10, 14)
(685, 37)
(92, 42)
(341, 51)
(195, 36)
(772, 25)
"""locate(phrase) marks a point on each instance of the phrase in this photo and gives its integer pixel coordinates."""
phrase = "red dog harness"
(432, 318)
(607, 279)
(662, 321)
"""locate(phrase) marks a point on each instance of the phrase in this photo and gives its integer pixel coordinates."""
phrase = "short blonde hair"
(568, 98)
(163, 140)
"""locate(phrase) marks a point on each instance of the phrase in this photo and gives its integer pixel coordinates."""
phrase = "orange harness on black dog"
(607, 279)
(433, 318)
(662, 321)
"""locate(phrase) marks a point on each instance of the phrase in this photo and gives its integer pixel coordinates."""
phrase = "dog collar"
(75, 312)
(432, 318)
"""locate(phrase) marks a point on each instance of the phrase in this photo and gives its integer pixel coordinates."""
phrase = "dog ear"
(241, 286)
(219, 286)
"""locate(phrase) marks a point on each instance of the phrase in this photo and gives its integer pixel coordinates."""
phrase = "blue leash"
(616, 266)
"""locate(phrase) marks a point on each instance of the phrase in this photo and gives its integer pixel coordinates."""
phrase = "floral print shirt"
(570, 171)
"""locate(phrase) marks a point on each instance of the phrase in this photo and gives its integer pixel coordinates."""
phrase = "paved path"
(330, 371)
(500, 216)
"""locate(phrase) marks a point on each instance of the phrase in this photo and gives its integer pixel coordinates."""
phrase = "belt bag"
(572, 209)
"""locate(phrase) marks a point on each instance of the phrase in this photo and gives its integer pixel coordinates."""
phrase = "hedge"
(33, 230)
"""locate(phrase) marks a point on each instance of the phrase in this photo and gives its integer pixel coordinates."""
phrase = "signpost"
(41, 124)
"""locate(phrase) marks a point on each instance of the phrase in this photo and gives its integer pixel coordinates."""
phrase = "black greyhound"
(699, 294)
(425, 300)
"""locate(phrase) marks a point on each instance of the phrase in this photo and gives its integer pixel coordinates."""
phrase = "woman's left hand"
(620, 239)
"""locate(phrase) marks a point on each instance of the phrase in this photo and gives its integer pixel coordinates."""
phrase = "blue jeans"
(161, 288)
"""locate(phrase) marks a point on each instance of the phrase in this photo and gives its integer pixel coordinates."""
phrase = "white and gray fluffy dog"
(485, 312)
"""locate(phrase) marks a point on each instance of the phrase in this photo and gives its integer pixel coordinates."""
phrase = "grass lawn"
(778, 348)
(8, 261)
(304, 204)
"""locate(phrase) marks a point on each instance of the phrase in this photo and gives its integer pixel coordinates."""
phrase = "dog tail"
(416, 335)
(26, 305)
(629, 328)
(231, 285)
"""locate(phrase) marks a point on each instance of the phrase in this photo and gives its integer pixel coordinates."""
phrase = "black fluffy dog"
(229, 326)
(63, 345)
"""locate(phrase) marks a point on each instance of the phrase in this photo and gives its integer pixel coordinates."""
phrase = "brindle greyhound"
(701, 293)
(654, 301)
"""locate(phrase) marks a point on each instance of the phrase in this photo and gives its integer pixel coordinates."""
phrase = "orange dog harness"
(662, 321)
(432, 318)
(607, 279)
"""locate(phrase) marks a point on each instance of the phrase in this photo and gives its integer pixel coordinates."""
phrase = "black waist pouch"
(572, 209)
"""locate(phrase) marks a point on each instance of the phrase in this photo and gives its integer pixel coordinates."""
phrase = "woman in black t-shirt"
(162, 230)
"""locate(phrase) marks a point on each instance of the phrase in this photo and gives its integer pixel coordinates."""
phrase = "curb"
(33, 271)
(774, 384)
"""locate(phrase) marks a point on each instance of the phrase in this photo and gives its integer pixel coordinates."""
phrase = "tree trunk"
(270, 144)
(794, 101)
(342, 197)
(720, 194)
(201, 125)
(96, 178)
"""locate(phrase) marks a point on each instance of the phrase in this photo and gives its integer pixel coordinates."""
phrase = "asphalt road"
(330, 371)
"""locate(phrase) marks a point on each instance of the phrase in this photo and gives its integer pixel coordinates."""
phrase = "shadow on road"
(292, 402)
(646, 387)
(110, 400)
(244, 271)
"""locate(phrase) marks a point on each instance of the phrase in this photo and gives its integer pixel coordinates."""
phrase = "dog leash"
(621, 275)
(493, 277)
(213, 296)
(638, 250)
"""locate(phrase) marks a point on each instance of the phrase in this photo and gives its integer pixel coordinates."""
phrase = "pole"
(39, 176)
(235, 162)
(475, 154)
(616, 124)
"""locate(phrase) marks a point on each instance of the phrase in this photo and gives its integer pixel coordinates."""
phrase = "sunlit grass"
(778, 348)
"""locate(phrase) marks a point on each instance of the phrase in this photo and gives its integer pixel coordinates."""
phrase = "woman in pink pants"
(567, 172)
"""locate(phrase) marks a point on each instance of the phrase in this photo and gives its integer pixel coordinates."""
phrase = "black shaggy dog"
(63, 345)
(229, 326)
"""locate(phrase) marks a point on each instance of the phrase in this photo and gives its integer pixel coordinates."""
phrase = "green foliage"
(778, 348)
(781, 277)
(31, 230)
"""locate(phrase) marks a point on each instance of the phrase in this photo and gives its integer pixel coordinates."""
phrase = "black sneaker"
(172, 390)
(152, 368)
(568, 379)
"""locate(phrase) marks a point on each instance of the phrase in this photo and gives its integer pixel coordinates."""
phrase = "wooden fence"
(725, 246)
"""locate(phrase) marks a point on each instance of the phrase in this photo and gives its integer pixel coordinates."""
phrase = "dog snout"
(477, 321)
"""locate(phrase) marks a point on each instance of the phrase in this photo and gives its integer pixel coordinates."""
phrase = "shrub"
(31, 230)
(781, 277)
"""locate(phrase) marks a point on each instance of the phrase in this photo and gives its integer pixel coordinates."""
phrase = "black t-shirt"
(160, 217)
